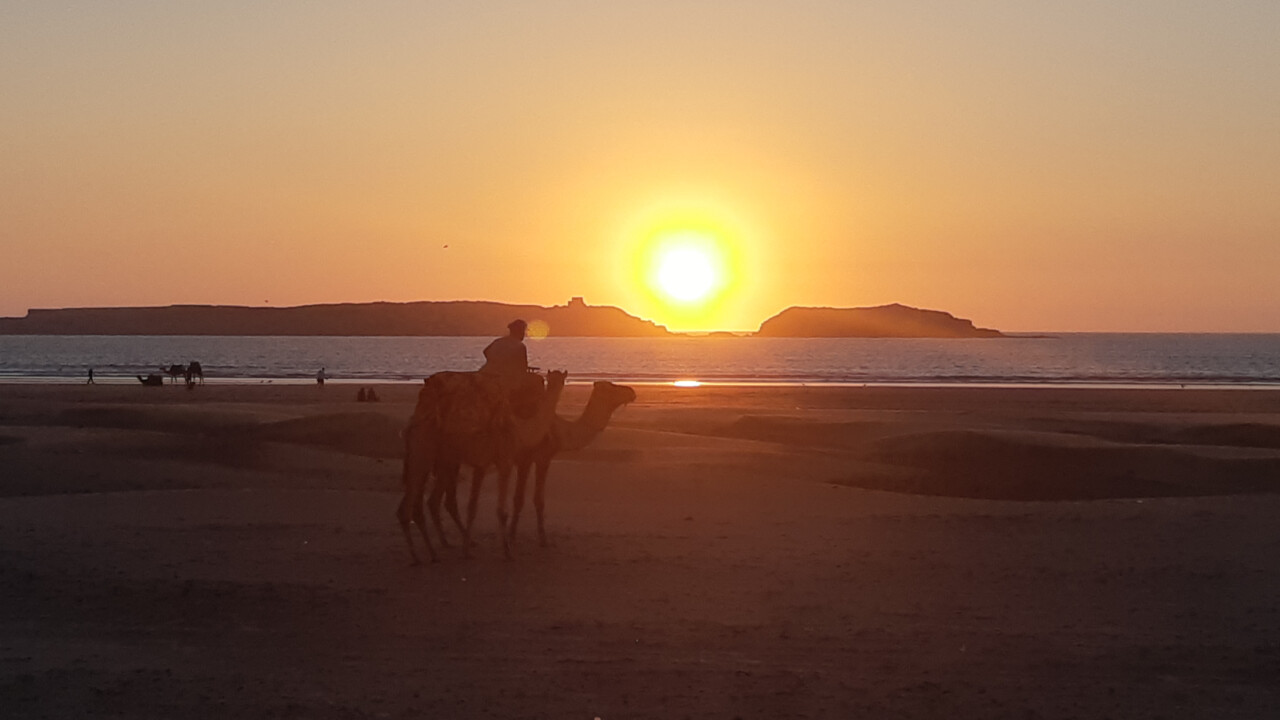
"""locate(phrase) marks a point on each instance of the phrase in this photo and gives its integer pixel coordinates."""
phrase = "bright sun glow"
(686, 273)
(687, 267)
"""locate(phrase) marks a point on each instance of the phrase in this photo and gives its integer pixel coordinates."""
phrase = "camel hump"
(527, 397)
(463, 403)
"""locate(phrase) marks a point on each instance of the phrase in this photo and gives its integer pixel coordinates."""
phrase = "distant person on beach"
(361, 396)
(320, 377)
(507, 358)
(91, 382)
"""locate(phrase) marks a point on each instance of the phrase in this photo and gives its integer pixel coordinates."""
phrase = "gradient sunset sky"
(1069, 166)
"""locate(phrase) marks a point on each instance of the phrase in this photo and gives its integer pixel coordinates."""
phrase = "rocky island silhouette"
(467, 318)
(893, 320)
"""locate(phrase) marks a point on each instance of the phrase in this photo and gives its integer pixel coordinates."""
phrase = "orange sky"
(1028, 165)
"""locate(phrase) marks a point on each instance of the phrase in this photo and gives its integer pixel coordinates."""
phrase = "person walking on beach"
(320, 377)
(91, 382)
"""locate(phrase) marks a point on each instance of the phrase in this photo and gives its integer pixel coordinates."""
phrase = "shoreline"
(1125, 360)
(679, 383)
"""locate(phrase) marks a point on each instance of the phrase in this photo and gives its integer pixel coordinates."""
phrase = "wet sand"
(718, 552)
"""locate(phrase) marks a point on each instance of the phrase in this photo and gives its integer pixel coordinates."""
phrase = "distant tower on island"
(577, 302)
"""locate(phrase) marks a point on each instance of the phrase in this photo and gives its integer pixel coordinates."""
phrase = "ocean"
(1074, 359)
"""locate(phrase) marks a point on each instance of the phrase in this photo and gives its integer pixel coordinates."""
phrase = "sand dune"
(1042, 466)
(994, 456)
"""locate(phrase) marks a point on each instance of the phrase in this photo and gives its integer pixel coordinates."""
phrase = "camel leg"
(504, 479)
(414, 477)
(473, 502)
(405, 514)
(433, 507)
(539, 491)
(446, 487)
(517, 502)
(420, 519)
(410, 510)
(451, 505)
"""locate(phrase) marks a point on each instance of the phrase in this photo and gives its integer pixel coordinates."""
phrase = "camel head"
(612, 395)
(556, 379)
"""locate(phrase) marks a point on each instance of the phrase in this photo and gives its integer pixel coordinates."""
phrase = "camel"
(447, 468)
(174, 372)
(194, 373)
(467, 418)
(564, 435)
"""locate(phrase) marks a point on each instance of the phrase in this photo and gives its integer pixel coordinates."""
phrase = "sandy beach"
(753, 552)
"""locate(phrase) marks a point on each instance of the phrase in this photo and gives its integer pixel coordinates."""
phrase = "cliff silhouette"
(458, 317)
(884, 321)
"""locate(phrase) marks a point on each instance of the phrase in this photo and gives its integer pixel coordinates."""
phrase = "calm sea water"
(1068, 358)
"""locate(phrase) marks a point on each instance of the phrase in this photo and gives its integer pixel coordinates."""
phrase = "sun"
(687, 264)
(687, 274)
(687, 267)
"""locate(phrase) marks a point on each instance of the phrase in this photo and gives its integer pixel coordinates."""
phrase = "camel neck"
(595, 416)
(579, 433)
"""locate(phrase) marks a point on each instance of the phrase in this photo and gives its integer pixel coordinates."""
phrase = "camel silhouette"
(565, 435)
(174, 372)
(447, 467)
(534, 447)
(467, 418)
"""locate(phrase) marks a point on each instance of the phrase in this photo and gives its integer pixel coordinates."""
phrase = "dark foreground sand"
(755, 553)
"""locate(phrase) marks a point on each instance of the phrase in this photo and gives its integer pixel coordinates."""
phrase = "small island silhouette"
(887, 321)
(467, 318)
